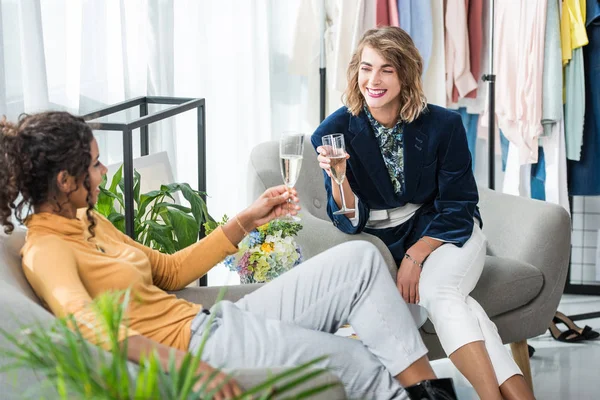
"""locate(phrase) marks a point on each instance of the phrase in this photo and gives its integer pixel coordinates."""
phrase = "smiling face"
(96, 170)
(384, 74)
(378, 82)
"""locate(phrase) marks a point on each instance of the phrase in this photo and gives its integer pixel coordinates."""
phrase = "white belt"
(381, 219)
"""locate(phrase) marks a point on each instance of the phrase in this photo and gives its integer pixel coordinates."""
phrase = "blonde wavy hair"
(397, 48)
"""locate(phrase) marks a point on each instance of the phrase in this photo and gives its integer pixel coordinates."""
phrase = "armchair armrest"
(535, 232)
(208, 295)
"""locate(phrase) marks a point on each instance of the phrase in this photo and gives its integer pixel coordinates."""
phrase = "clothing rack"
(490, 78)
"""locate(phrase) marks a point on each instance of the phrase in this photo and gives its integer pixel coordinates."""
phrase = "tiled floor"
(560, 371)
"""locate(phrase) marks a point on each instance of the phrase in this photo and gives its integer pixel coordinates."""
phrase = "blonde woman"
(410, 182)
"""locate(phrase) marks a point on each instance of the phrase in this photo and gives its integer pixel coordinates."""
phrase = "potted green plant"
(159, 222)
(75, 368)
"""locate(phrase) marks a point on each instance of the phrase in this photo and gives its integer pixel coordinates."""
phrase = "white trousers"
(449, 274)
(291, 320)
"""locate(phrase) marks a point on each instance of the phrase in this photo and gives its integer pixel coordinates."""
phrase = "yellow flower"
(267, 247)
(263, 227)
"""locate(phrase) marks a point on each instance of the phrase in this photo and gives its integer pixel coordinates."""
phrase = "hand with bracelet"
(409, 271)
(270, 205)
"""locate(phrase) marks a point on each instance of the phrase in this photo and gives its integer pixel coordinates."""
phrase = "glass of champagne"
(291, 148)
(336, 152)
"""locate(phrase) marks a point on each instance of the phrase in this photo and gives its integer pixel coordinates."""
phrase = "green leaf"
(184, 209)
(162, 235)
(185, 227)
(118, 220)
(310, 393)
(210, 226)
(117, 177)
(113, 197)
(284, 375)
(145, 200)
(136, 186)
(105, 203)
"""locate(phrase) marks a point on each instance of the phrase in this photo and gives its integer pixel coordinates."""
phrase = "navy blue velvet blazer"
(437, 167)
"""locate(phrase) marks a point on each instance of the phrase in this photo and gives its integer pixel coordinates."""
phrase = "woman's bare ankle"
(417, 372)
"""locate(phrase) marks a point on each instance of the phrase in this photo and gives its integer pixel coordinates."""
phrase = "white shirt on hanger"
(346, 21)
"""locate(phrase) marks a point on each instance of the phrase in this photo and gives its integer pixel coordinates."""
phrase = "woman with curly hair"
(410, 182)
(50, 180)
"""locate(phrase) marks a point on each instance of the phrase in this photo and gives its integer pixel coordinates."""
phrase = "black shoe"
(569, 336)
(586, 331)
(531, 350)
(435, 389)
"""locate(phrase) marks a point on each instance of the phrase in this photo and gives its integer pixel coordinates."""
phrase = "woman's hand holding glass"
(273, 203)
(332, 158)
(291, 148)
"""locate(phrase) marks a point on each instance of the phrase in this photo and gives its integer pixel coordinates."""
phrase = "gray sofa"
(527, 255)
(21, 307)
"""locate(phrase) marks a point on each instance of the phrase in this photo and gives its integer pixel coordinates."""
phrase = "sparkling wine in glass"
(291, 147)
(336, 152)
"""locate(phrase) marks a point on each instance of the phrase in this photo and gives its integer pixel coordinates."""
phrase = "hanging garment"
(458, 70)
(383, 12)
(471, 123)
(538, 177)
(504, 148)
(552, 93)
(416, 18)
(574, 36)
(584, 176)
(393, 9)
(555, 160)
(478, 103)
(475, 33)
(575, 104)
(518, 62)
(434, 82)
(346, 21)
(517, 177)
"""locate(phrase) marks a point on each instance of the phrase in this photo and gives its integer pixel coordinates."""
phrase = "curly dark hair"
(32, 154)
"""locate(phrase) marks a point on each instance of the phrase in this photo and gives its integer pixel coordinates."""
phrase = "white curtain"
(80, 55)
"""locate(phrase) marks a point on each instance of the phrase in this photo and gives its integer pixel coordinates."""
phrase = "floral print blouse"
(391, 144)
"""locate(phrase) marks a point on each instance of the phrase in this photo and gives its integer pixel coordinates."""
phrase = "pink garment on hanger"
(458, 69)
(383, 13)
(519, 40)
(475, 31)
(394, 13)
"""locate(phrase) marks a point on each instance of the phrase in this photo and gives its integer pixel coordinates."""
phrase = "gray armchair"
(527, 254)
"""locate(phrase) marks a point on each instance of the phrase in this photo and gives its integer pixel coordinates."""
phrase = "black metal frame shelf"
(180, 105)
(581, 288)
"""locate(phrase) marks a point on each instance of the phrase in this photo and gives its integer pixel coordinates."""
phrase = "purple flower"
(243, 263)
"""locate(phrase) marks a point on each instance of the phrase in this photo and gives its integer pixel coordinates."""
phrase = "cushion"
(505, 285)
(11, 272)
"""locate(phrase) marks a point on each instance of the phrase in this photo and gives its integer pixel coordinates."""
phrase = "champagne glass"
(336, 152)
(291, 148)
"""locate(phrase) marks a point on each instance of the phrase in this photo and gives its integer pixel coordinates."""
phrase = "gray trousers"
(290, 321)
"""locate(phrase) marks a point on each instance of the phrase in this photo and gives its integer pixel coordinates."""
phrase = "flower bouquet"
(267, 252)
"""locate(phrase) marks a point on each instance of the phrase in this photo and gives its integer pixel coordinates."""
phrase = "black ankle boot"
(435, 389)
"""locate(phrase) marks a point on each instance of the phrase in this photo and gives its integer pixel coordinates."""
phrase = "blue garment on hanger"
(538, 170)
(584, 175)
(470, 122)
(538, 177)
(504, 148)
(416, 19)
